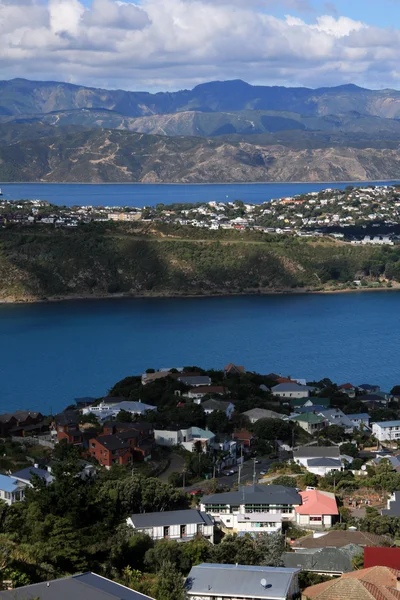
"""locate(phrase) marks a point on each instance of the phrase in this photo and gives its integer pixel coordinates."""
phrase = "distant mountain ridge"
(22, 96)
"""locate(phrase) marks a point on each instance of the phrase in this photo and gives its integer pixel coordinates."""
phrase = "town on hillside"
(192, 484)
(358, 215)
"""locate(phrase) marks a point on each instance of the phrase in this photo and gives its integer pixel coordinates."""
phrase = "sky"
(176, 44)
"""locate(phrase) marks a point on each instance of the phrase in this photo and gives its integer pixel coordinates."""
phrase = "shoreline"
(147, 183)
(176, 296)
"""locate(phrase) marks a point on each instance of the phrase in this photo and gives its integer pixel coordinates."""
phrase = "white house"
(209, 406)
(26, 475)
(11, 490)
(254, 508)
(210, 581)
(106, 410)
(291, 390)
(197, 393)
(386, 430)
(318, 510)
(184, 437)
(321, 460)
(180, 525)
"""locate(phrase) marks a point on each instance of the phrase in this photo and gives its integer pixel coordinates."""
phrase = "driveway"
(176, 466)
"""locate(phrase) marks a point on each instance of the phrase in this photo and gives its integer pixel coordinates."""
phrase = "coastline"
(11, 301)
(148, 183)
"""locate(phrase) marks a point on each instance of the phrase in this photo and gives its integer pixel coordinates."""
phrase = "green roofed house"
(309, 421)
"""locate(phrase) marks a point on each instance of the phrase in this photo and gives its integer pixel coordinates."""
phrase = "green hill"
(103, 260)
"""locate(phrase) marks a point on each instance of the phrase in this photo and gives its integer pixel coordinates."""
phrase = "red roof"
(379, 583)
(382, 557)
(347, 386)
(317, 503)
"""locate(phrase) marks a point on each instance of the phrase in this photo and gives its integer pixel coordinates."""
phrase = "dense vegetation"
(96, 260)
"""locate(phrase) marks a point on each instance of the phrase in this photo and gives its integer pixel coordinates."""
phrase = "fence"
(34, 441)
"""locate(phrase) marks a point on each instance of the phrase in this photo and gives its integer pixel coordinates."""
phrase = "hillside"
(99, 261)
(100, 155)
(20, 96)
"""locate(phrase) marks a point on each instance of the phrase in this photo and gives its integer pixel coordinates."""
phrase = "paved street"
(245, 477)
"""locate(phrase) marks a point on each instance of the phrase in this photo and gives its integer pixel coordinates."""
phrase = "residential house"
(381, 557)
(259, 502)
(107, 410)
(67, 427)
(376, 400)
(17, 422)
(386, 431)
(317, 510)
(145, 431)
(245, 438)
(337, 538)
(335, 416)
(324, 561)
(232, 369)
(309, 421)
(180, 525)
(393, 506)
(375, 583)
(194, 380)
(317, 403)
(11, 490)
(255, 414)
(209, 406)
(291, 390)
(119, 449)
(210, 581)
(86, 586)
(349, 389)
(188, 438)
(393, 460)
(369, 389)
(360, 420)
(197, 393)
(26, 476)
(320, 460)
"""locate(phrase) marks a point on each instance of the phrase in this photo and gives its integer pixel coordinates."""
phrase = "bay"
(52, 353)
(140, 195)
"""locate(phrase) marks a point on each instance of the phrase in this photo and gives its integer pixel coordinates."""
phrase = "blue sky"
(175, 44)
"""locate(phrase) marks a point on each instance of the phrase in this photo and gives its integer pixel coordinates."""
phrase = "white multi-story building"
(386, 431)
(253, 508)
(186, 438)
(106, 410)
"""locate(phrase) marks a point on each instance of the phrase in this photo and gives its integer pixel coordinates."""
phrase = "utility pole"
(240, 464)
(254, 471)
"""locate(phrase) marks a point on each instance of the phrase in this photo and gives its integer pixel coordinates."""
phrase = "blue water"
(70, 194)
(52, 353)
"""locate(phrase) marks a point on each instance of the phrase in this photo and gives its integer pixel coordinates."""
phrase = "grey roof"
(259, 494)
(323, 560)
(337, 417)
(87, 586)
(239, 581)
(337, 538)
(263, 413)
(394, 507)
(216, 404)
(291, 387)
(195, 380)
(359, 416)
(170, 517)
(29, 472)
(317, 452)
(324, 462)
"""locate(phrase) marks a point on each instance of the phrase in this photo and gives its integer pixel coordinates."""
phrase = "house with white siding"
(180, 525)
(386, 430)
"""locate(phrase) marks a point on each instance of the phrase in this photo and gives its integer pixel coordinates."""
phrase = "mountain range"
(219, 131)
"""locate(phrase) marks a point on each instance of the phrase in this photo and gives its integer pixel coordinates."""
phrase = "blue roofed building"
(242, 582)
(11, 490)
(26, 475)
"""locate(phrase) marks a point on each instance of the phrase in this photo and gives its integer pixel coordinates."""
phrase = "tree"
(334, 433)
(169, 585)
(124, 417)
(349, 449)
(165, 551)
(358, 561)
(271, 547)
(218, 422)
(273, 429)
(310, 480)
(285, 480)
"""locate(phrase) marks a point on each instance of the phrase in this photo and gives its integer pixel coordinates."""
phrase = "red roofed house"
(375, 583)
(382, 557)
(348, 388)
(232, 369)
(245, 437)
(318, 510)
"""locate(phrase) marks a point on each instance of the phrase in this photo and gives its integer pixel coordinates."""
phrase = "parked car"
(263, 472)
(196, 492)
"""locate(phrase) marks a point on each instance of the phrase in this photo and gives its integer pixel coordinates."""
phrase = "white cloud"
(170, 44)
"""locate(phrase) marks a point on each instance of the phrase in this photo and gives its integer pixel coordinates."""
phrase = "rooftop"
(317, 452)
(385, 424)
(325, 560)
(87, 586)
(259, 494)
(262, 413)
(291, 387)
(308, 417)
(377, 583)
(239, 581)
(8, 484)
(216, 404)
(170, 517)
(337, 538)
(324, 462)
(316, 502)
(30, 472)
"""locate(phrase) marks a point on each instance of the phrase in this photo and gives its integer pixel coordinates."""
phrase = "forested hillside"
(100, 261)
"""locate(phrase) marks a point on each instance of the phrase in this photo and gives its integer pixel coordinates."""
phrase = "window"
(315, 519)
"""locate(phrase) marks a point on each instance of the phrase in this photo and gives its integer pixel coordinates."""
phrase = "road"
(246, 475)
(176, 465)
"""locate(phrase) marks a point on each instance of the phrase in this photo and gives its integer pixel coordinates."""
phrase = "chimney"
(398, 584)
